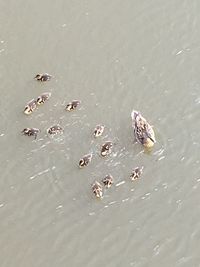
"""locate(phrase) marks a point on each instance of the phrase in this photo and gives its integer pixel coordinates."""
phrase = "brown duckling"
(43, 77)
(30, 107)
(56, 129)
(106, 148)
(98, 131)
(97, 189)
(43, 98)
(73, 105)
(31, 132)
(136, 173)
(85, 160)
(108, 181)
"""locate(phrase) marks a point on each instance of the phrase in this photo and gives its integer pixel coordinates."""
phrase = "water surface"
(113, 56)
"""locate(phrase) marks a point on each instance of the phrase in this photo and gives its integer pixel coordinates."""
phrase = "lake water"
(114, 56)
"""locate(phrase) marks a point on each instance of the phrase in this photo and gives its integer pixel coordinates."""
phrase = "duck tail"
(134, 114)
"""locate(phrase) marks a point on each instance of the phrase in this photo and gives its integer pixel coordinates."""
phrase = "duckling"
(108, 181)
(97, 189)
(43, 77)
(106, 148)
(136, 173)
(31, 132)
(43, 98)
(72, 105)
(143, 131)
(56, 129)
(85, 160)
(30, 107)
(98, 131)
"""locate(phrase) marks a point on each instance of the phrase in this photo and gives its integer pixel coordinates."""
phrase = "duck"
(107, 181)
(143, 131)
(43, 98)
(43, 77)
(73, 105)
(85, 160)
(56, 129)
(106, 148)
(31, 132)
(30, 107)
(136, 173)
(97, 189)
(98, 131)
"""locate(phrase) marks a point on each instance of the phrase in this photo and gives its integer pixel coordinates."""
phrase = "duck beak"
(152, 139)
(149, 136)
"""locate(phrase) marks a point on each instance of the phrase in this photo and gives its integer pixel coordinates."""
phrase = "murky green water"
(113, 56)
